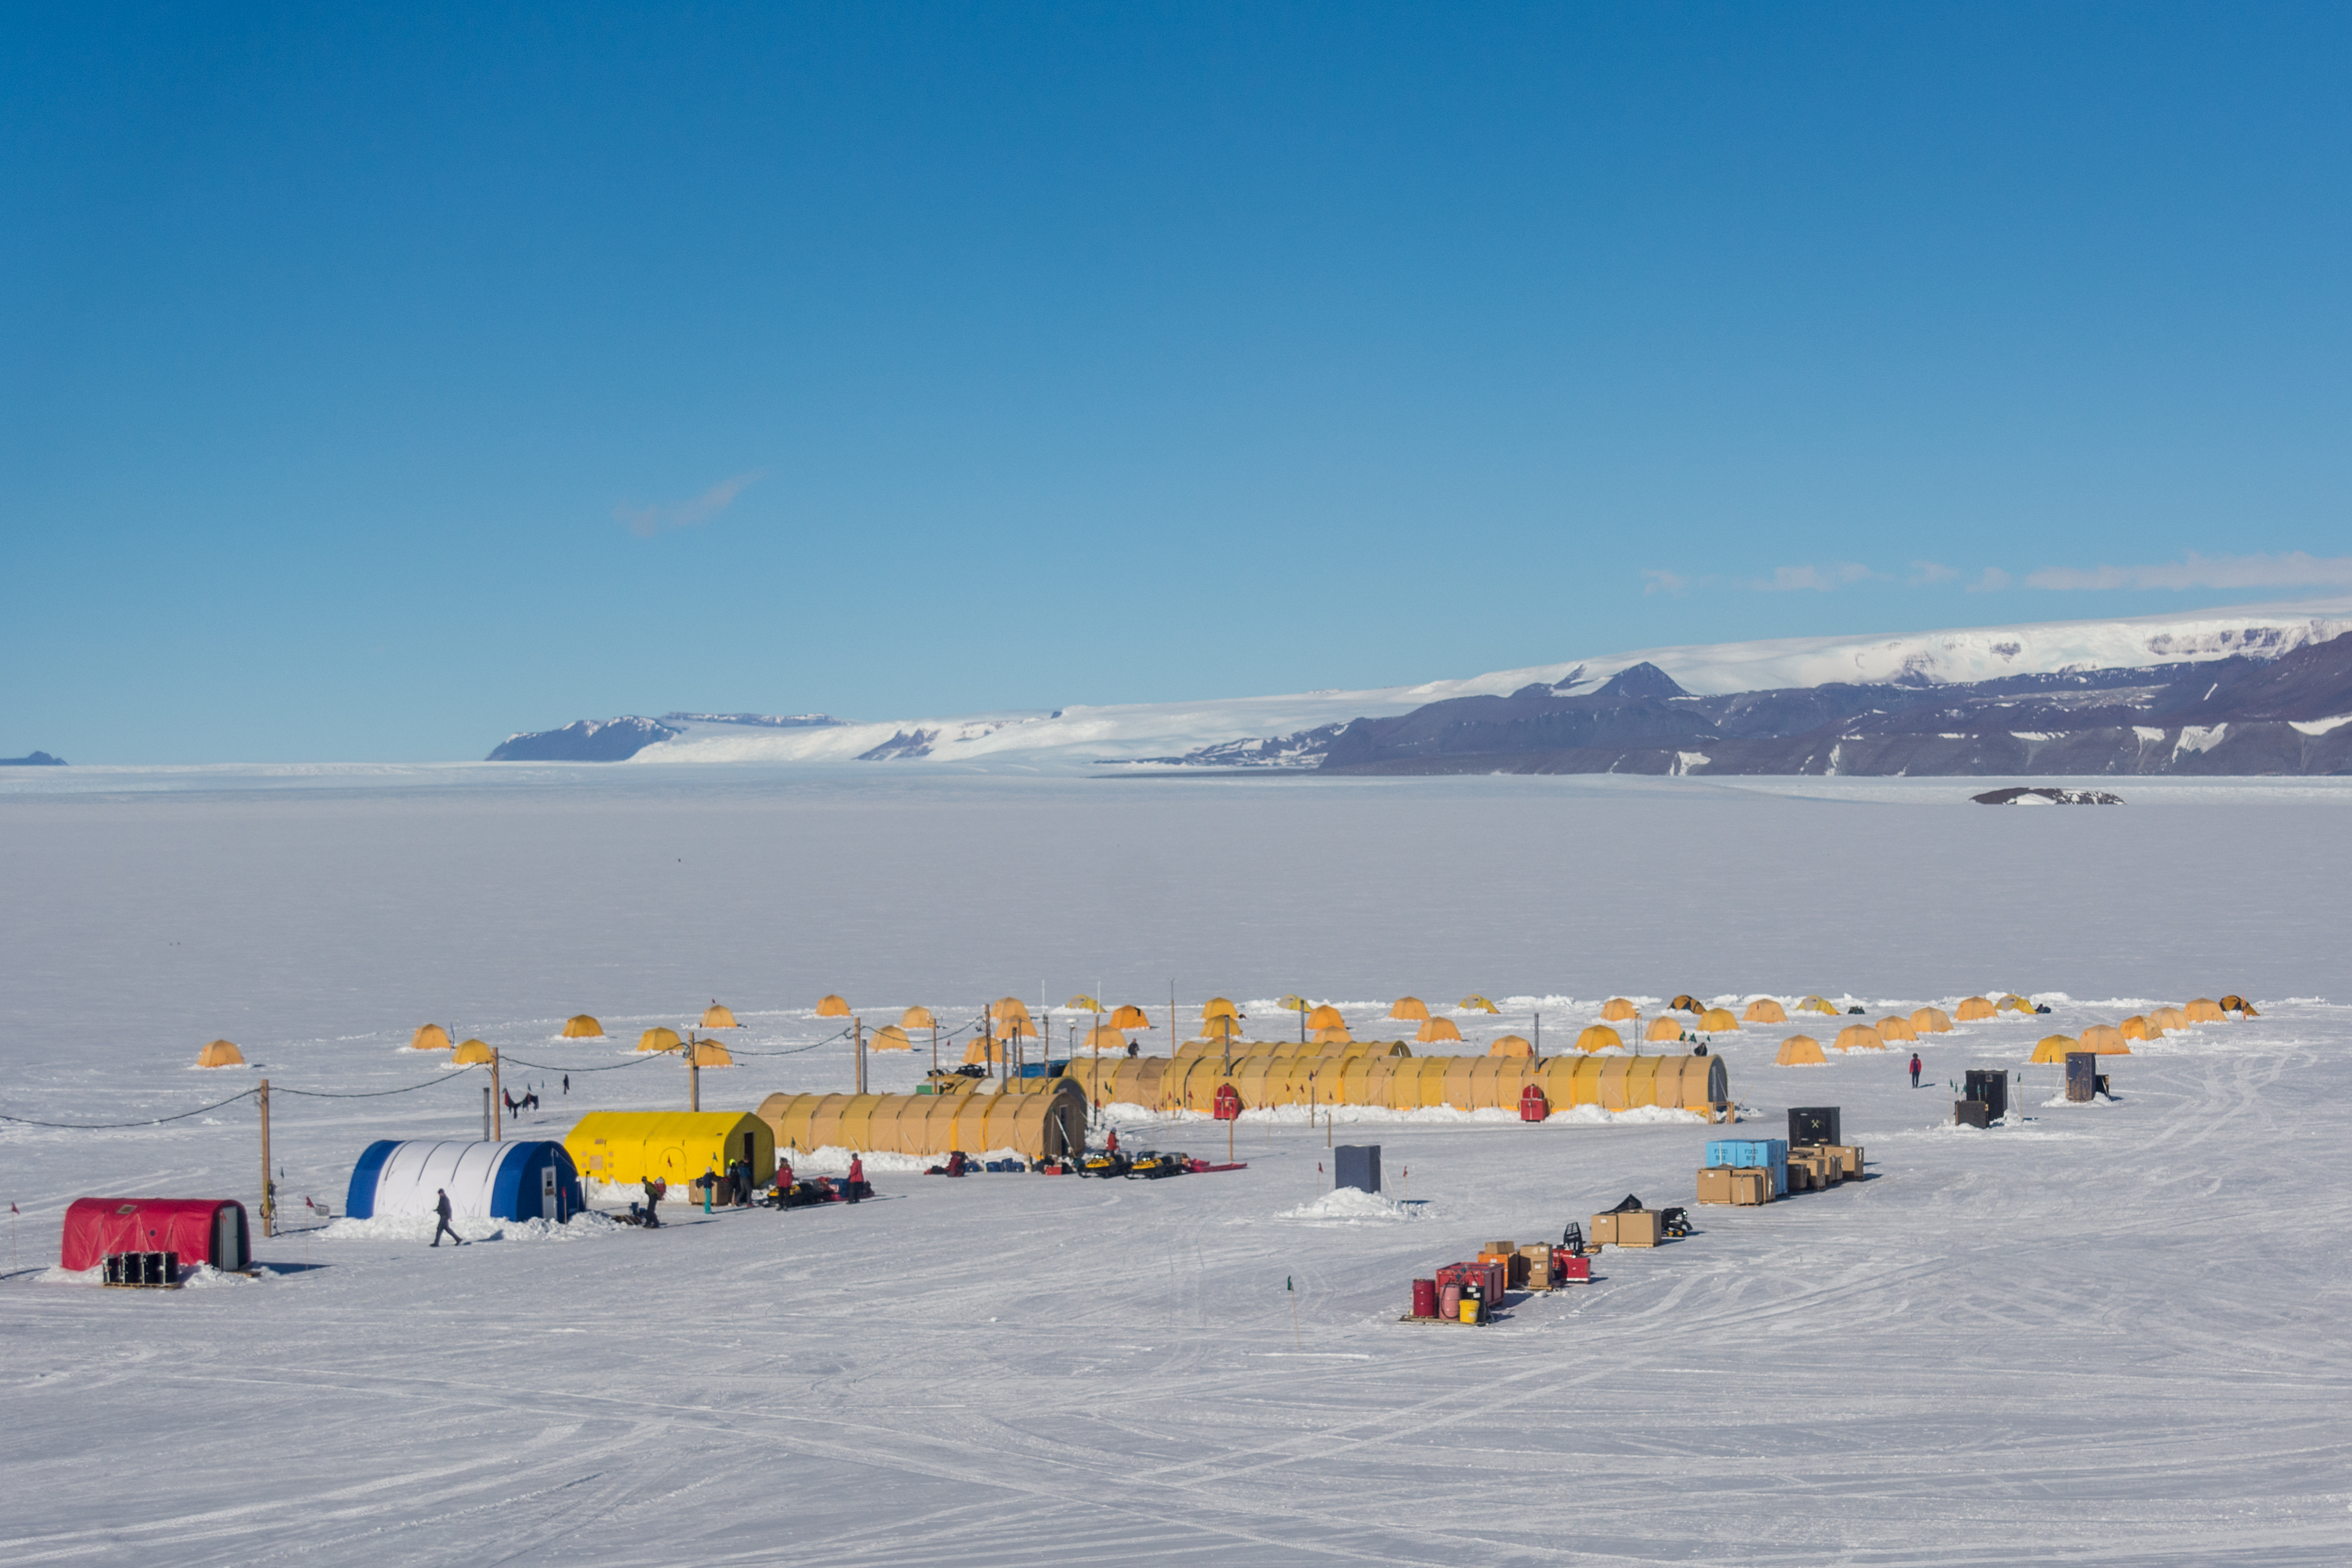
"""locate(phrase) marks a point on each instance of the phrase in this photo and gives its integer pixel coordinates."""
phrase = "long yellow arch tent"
(1931, 1021)
(2103, 1040)
(471, 1053)
(1435, 1029)
(1764, 1010)
(2053, 1048)
(1800, 1050)
(583, 1026)
(659, 1040)
(1325, 1017)
(1599, 1037)
(429, 1036)
(1696, 1084)
(1129, 1016)
(832, 1007)
(890, 1036)
(1975, 1009)
(918, 1018)
(1511, 1045)
(220, 1053)
(1894, 1026)
(1412, 1008)
(1859, 1037)
(1048, 1122)
(1617, 1010)
(1717, 1021)
(1663, 1027)
(716, 1017)
(676, 1147)
(1476, 1005)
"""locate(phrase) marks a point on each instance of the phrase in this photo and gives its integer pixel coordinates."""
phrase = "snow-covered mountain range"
(1297, 730)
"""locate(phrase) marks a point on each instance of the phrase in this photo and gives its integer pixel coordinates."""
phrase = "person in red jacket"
(1111, 1140)
(1915, 1070)
(857, 1178)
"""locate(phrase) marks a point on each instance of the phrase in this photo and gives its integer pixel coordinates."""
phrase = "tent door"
(228, 1239)
(548, 1194)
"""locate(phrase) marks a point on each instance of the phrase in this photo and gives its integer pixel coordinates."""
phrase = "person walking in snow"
(1110, 1141)
(441, 1208)
(1915, 1070)
(655, 1187)
(567, 1083)
(857, 1178)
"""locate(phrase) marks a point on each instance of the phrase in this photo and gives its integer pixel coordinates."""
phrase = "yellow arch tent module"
(1975, 1009)
(583, 1026)
(1717, 1021)
(1663, 1027)
(1764, 1010)
(1511, 1045)
(1435, 1029)
(1800, 1050)
(2054, 1047)
(429, 1036)
(220, 1053)
(2103, 1040)
(1817, 1005)
(1043, 1118)
(2204, 1009)
(1895, 1027)
(890, 1036)
(832, 1007)
(1599, 1037)
(1931, 1021)
(1410, 1009)
(1859, 1037)
(1476, 1005)
(918, 1018)
(471, 1053)
(659, 1040)
(628, 1146)
(1617, 1010)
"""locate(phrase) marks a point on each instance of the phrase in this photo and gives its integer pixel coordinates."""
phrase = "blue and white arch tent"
(525, 1180)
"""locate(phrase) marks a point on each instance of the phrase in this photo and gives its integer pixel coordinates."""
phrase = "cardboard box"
(1751, 1187)
(1848, 1157)
(1715, 1185)
(1535, 1266)
(1602, 1230)
(1638, 1228)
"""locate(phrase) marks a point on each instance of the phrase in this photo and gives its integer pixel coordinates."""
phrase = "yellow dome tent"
(2103, 1040)
(2166, 1021)
(710, 1053)
(1932, 1021)
(990, 1051)
(1435, 1029)
(1816, 1005)
(1764, 1010)
(1859, 1037)
(220, 1053)
(1717, 1021)
(1325, 1017)
(1686, 1004)
(1102, 1037)
(472, 1053)
(429, 1036)
(890, 1036)
(1511, 1045)
(580, 1026)
(1895, 1027)
(918, 1018)
(1131, 1017)
(658, 1039)
(2239, 1005)
(1409, 1008)
(1974, 1009)
(1219, 1008)
(1015, 1029)
(1476, 1005)
(2054, 1047)
(1006, 1009)
(1800, 1050)
(2205, 1010)
(1663, 1027)
(2134, 1028)
(826, 1008)
(1599, 1037)
(1616, 1009)
(716, 1017)
(1337, 1034)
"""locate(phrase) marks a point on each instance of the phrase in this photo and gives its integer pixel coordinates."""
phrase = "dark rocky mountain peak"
(1642, 680)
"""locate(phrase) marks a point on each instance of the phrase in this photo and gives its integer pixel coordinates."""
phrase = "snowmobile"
(1152, 1167)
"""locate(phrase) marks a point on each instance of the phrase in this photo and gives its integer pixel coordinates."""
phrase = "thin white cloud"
(2294, 569)
(1927, 571)
(1820, 578)
(1664, 581)
(663, 517)
(1992, 580)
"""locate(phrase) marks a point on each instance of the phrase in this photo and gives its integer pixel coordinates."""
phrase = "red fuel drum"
(1424, 1298)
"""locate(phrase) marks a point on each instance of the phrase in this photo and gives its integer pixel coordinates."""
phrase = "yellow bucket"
(1469, 1311)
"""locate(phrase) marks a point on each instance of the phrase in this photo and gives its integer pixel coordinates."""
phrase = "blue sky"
(381, 381)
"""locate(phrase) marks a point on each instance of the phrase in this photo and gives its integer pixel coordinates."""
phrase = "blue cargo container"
(1753, 1154)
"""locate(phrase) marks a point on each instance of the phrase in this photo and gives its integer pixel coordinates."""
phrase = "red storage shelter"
(200, 1229)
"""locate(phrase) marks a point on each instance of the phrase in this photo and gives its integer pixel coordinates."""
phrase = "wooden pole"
(497, 1101)
(693, 1072)
(935, 1045)
(859, 1025)
(268, 1188)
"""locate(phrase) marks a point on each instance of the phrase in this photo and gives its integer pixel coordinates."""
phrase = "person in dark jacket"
(655, 1187)
(1915, 1070)
(441, 1208)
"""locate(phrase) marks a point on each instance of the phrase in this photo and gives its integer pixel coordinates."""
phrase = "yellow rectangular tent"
(627, 1146)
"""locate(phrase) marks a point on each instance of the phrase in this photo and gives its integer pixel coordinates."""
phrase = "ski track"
(2108, 1336)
